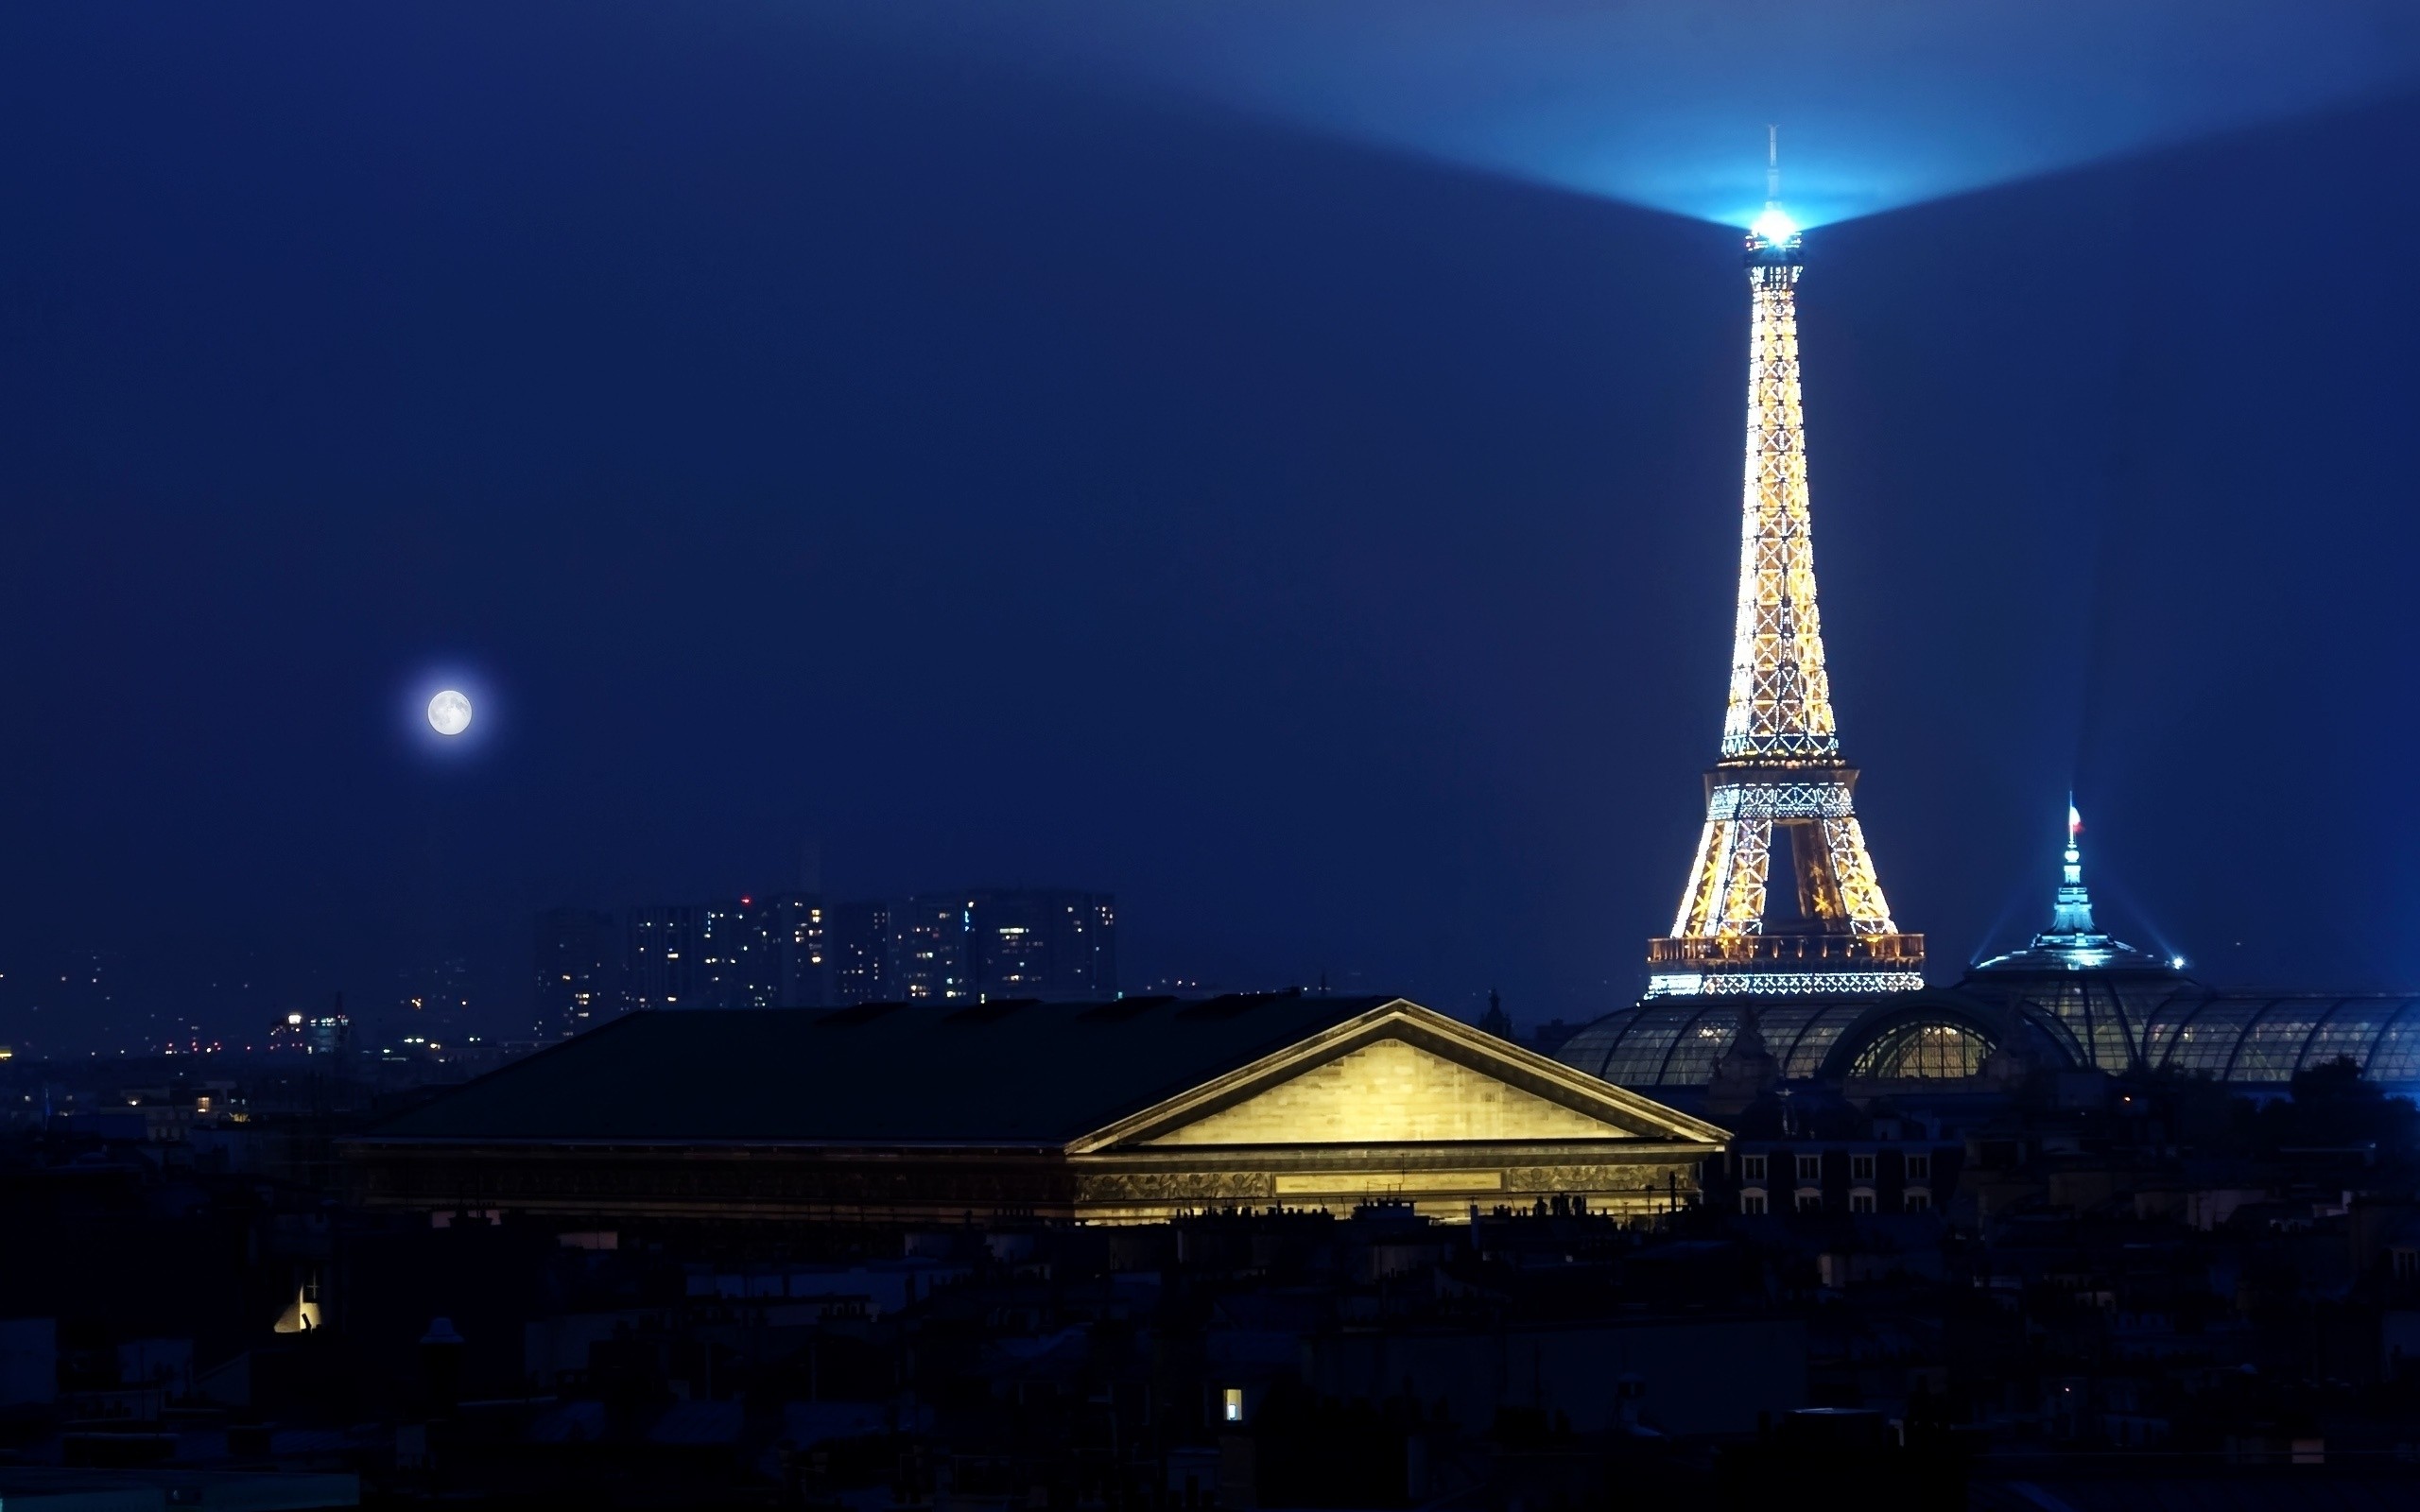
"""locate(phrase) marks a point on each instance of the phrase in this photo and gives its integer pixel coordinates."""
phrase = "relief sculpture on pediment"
(1175, 1186)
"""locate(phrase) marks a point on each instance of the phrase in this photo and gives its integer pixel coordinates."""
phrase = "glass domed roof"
(1674, 1041)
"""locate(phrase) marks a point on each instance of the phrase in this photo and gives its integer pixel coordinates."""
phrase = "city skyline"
(939, 758)
(1324, 550)
(801, 950)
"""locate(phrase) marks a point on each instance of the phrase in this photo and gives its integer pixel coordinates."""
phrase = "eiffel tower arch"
(1782, 896)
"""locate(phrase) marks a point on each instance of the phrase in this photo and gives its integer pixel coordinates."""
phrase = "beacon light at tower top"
(1772, 231)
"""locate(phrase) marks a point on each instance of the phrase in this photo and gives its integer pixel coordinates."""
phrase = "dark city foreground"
(2116, 1288)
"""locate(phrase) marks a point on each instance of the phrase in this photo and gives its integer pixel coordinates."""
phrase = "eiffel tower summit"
(1779, 797)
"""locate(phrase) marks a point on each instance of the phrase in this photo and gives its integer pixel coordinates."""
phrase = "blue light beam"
(1662, 105)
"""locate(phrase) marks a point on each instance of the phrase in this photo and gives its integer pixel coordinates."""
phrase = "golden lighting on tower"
(1780, 785)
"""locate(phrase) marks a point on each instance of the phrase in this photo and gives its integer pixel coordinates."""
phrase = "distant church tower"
(1780, 792)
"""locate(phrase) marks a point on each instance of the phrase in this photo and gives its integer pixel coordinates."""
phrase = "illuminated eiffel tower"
(1780, 793)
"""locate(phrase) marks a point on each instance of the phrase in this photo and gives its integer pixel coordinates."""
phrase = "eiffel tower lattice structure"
(1779, 797)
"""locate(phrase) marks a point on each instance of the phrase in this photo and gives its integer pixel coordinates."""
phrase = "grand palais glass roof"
(2117, 1020)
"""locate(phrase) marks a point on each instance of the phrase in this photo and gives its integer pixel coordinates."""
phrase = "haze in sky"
(1883, 102)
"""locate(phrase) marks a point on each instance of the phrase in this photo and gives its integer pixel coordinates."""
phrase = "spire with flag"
(2072, 915)
(2073, 941)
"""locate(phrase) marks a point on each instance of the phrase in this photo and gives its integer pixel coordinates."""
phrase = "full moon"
(449, 712)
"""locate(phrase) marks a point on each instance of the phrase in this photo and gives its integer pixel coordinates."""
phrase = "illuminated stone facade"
(1389, 1092)
(1404, 1104)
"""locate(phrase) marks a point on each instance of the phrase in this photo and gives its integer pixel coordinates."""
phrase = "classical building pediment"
(1399, 1074)
(1390, 1092)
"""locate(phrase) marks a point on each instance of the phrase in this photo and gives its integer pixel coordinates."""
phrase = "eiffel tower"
(1780, 794)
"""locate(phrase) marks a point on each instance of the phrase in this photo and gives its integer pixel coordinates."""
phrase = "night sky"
(1002, 476)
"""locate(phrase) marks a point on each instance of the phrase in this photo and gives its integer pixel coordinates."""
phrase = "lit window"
(1234, 1405)
(1751, 1168)
(1860, 1167)
(1811, 1168)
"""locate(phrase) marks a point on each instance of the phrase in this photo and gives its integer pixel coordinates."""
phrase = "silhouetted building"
(433, 1007)
(578, 970)
(1036, 943)
(740, 955)
(998, 943)
(930, 960)
(328, 1032)
(855, 954)
(796, 951)
(796, 934)
(662, 953)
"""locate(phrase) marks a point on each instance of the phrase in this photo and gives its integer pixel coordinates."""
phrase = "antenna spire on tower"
(1773, 236)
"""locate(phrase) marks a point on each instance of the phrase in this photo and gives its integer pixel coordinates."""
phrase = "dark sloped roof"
(1017, 1073)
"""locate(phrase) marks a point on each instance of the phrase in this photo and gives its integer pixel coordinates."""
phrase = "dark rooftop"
(1009, 1073)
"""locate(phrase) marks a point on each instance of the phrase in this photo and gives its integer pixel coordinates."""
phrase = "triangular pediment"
(1389, 1092)
(1401, 1075)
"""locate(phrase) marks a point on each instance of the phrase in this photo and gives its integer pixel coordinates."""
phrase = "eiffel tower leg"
(1742, 886)
(1726, 892)
(1861, 898)
(1697, 899)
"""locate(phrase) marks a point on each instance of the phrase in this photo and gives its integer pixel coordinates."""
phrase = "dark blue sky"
(1326, 548)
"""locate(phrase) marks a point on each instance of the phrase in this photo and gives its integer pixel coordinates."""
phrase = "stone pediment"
(1400, 1074)
(1389, 1092)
